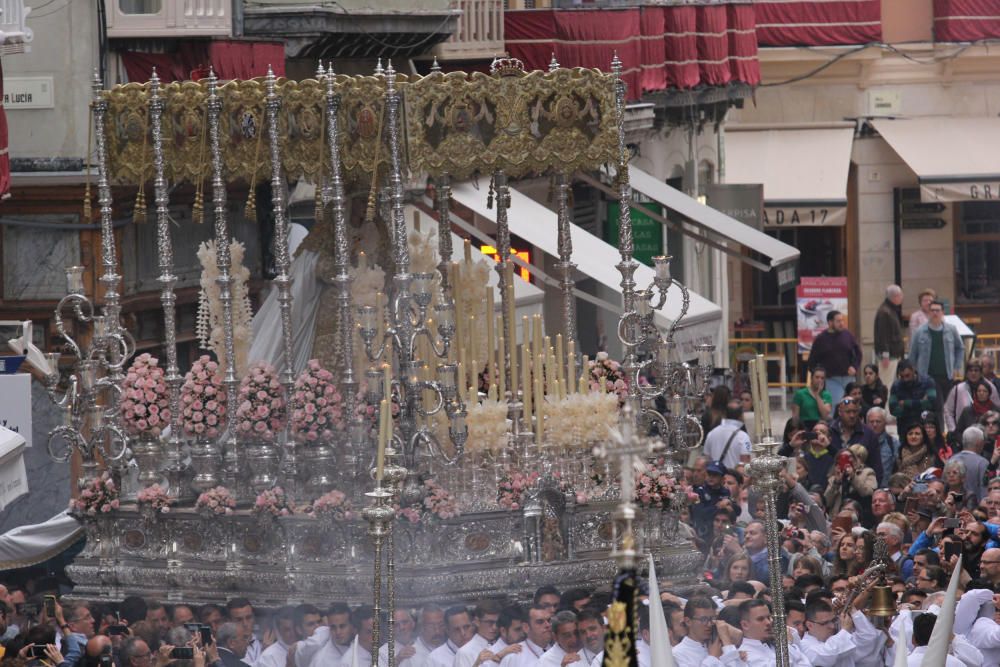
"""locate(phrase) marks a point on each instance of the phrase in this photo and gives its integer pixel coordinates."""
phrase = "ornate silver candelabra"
(91, 400)
(406, 322)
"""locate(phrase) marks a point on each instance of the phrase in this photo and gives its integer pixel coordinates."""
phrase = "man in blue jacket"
(937, 351)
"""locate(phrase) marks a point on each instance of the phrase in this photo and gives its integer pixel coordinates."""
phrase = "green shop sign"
(647, 233)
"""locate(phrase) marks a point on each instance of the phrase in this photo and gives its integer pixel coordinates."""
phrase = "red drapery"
(4, 153)
(966, 20)
(232, 59)
(676, 47)
(810, 23)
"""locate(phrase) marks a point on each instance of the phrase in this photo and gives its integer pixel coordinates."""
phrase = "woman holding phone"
(813, 402)
(915, 454)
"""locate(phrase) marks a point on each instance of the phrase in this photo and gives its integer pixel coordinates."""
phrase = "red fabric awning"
(810, 23)
(232, 59)
(674, 47)
(966, 20)
(4, 143)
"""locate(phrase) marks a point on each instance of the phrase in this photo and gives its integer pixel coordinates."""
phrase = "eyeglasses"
(703, 619)
(847, 400)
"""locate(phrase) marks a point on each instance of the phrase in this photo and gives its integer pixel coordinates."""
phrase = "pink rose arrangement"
(439, 502)
(334, 504)
(410, 514)
(654, 487)
(261, 411)
(513, 484)
(98, 496)
(316, 405)
(369, 413)
(273, 502)
(155, 497)
(203, 399)
(608, 376)
(217, 500)
(145, 406)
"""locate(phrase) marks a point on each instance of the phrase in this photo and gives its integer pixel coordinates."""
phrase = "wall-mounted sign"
(814, 298)
(28, 92)
(988, 190)
(804, 216)
(744, 202)
(647, 234)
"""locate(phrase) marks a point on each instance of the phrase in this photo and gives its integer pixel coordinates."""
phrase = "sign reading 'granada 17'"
(960, 191)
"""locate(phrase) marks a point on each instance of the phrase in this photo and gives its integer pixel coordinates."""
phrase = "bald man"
(989, 566)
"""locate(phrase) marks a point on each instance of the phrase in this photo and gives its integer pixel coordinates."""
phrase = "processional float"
(251, 479)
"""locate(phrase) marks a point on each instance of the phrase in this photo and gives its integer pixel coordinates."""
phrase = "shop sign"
(987, 190)
(814, 298)
(647, 234)
(743, 202)
(776, 217)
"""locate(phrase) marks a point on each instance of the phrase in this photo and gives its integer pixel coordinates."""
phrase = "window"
(820, 244)
(140, 6)
(977, 252)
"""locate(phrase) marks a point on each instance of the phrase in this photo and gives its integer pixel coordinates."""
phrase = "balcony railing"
(479, 33)
(169, 18)
(14, 33)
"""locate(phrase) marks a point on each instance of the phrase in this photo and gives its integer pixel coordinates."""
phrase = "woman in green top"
(813, 402)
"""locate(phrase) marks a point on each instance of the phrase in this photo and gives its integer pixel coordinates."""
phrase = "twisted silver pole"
(506, 291)
(566, 265)
(282, 281)
(168, 300)
(341, 251)
(443, 193)
(223, 260)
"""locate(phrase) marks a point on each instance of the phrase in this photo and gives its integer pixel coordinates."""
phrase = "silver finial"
(96, 83)
(270, 82)
(435, 67)
(154, 79)
(378, 67)
(213, 82)
(390, 77)
(320, 72)
(553, 64)
(616, 65)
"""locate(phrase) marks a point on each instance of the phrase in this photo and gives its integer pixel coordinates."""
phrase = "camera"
(37, 651)
(182, 653)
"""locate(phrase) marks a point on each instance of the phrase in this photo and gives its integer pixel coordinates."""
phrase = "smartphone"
(105, 660)
(843, 460)
(958, 498)
(920, 487)
(119, 629)
(50, 606)
(952, 524)
(843, 522)
(952, 549)
(29, 609)
(912, 505)
(182, 653)
(809, 436)
(206, 635)
(37, 651)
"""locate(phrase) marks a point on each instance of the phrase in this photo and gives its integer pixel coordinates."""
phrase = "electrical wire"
(404, 47)
(934, 60)
(33, 15)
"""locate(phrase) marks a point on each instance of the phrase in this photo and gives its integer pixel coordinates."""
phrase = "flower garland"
(273, 502)
(98, 496)
(606, 375)
(513, 484)
(156, 498)
(487, 423)
(579, 420)
(203, 399)
(145, 405)
(218, 501)
(261, 411)
(438, 504)
(316, 405)
(334, 504)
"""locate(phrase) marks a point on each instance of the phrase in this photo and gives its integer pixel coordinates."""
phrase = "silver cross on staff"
(626, 443)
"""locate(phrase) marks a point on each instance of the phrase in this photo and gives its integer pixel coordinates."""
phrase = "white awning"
(775, 251)
(29, 545)
(537, 225)
(803, 170)
(955, 159)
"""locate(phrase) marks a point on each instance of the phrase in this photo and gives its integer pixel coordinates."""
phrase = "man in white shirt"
(307, 619)
(511, 625)
(460, 629)
(404, 639)
(363, 620)
(923, 626)
(728, 442)
(590, 623)
(756, 649)
(284, 626)
(329, 643)
(539, 636)
(477, 650)
(430, 634)
(977, 616)
(703, 644)
(565, 652)
(828, 641)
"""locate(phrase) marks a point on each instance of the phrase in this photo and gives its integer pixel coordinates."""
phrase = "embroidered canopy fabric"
(676, 47)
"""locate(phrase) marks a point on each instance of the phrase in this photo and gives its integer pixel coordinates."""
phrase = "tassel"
(250, 212)
(139, 211)
(198, 209)
(318, 214)
(88, 210)
(370, 210)
(489, 197)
